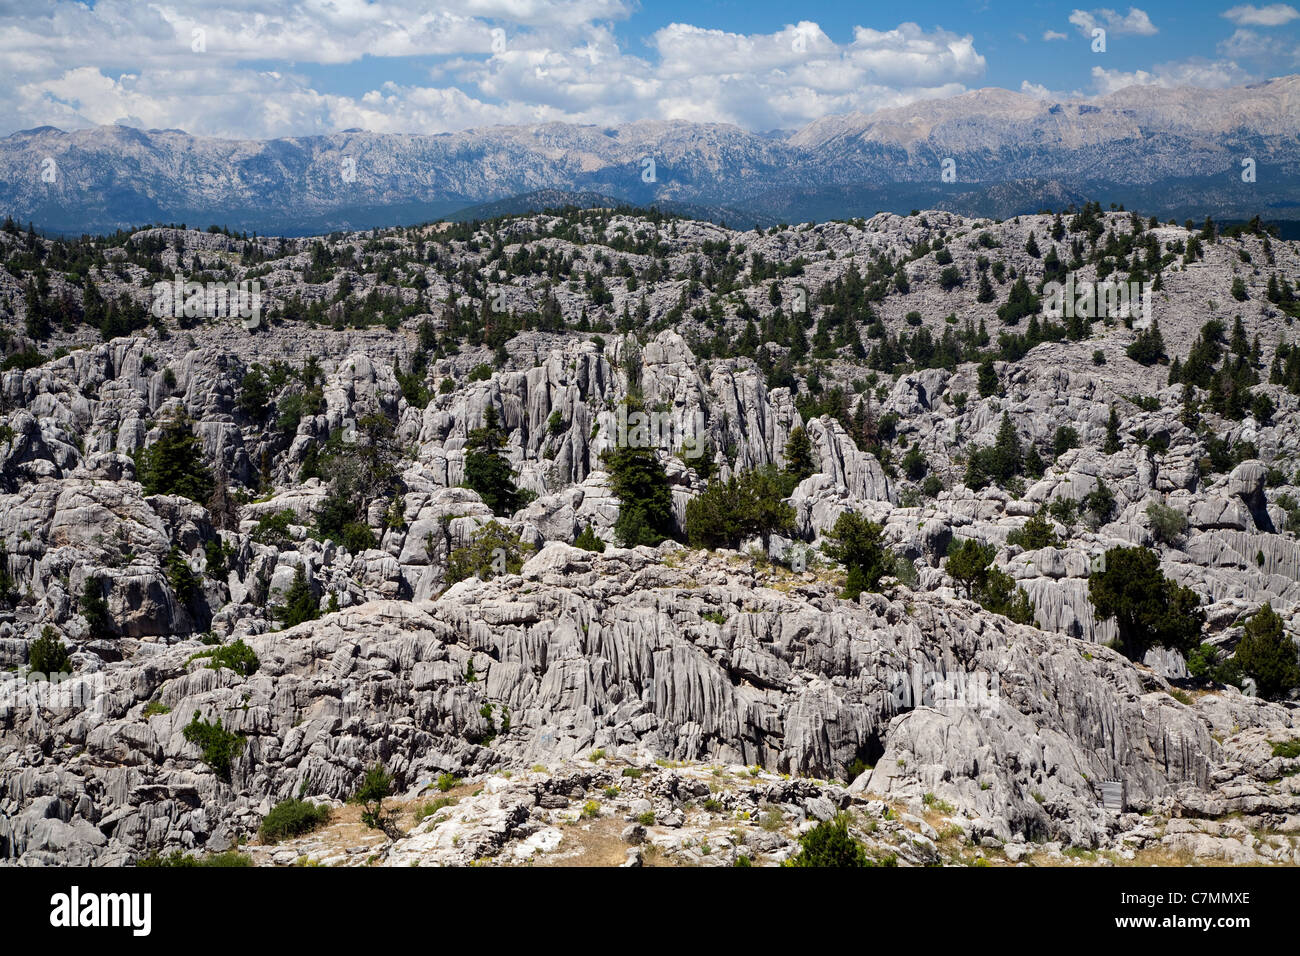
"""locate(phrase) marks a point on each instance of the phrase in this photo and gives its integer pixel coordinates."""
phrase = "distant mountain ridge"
(1179, 150)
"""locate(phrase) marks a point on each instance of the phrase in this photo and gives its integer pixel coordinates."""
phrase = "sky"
(261, 69)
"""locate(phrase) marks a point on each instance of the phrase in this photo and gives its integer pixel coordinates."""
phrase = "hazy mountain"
(1180, 151)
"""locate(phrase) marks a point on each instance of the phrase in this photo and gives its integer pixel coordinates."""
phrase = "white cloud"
(118, 61)
(1206, 74)
(1054, 35)
(1273, 15)
(1134, 22)
(1247, 44)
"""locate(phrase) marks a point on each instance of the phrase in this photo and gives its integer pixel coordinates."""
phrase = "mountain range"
(1171, 152)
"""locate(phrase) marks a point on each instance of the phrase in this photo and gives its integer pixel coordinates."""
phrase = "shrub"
(375, 786)
(219, 745)
(47, 654)
(447, 781)
(829, 844)
(238, 656)
(589, 541)
(231, 858)
(291, 818)
(1000, 462)
(915, 464)
(493, 549)
(183, 580)
(273, 529)
(1064, 439)
(1167, 524)
(1001, 595)
(1035, 533)
(1100, 504)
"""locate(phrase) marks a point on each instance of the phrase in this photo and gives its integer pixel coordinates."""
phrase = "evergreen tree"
(638, 480)
(799, 461)
(1149, 609)
(174, 464)
(99, 622)
(487, 470)
(968, 564)
(588, 541)
(1112, 444)
(299, 603)
(1267, 655)
(858, 544)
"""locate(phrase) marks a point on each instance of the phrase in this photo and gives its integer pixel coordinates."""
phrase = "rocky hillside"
(399, 516)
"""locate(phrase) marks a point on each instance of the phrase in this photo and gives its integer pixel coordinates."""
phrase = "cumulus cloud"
(203, 67)
(1134, 22)
(1273, 15)
(1207, 74)
(1248, 45)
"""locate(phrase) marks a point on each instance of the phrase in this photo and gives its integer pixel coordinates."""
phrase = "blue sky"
(258, 68)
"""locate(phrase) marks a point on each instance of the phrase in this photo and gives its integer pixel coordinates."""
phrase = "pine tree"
(487, 471)
(174, 464)
(1267, 655)
(99, 621)
(799, 463)
(1112, 444)
(299, 603)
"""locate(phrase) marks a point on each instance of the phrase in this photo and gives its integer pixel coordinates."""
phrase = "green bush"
(231, 858)
(493, 549)
(745, 505)
(219, 745)
(99, 623)
(237, 656)
(291, 818)
(1064, 439)
(1035, 533)
(47, 654)
(375, 786)
(589, 541)
(273, 529)
(829, 844)
(1167, 525)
